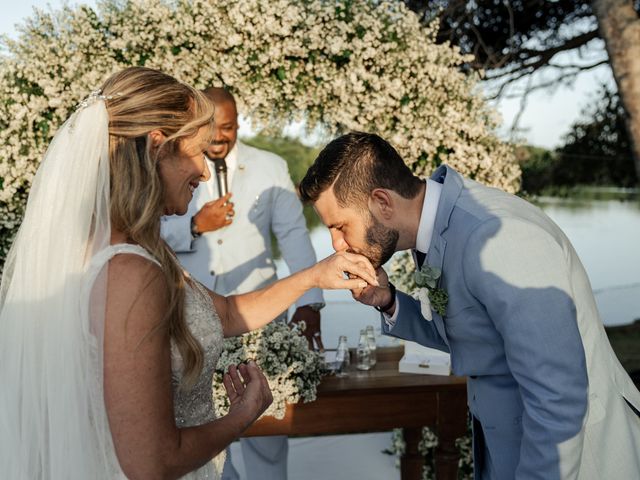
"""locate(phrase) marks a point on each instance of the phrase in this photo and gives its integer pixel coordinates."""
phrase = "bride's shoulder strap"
(103, 256)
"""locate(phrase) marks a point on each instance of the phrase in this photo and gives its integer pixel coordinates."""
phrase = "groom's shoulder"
(478, 204)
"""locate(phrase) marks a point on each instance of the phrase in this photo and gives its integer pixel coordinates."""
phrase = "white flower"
(292, 370)
(359, 65)
(422, 295)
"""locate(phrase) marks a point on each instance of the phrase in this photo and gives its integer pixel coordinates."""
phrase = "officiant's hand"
(214, 215)
(248, 391)
(374, 295)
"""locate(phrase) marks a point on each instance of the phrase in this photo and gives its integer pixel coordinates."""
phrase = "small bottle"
(342, 357)
(371, 337)
(363, 352)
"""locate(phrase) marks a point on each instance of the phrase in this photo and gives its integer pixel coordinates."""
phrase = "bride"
(107, 347)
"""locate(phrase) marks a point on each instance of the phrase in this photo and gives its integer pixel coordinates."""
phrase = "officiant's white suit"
(550, 398)
(239, 258)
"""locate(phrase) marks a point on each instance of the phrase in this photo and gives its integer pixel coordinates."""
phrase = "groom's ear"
(381, 203)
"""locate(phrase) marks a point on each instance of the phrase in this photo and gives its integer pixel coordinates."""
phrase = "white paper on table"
(424, 360)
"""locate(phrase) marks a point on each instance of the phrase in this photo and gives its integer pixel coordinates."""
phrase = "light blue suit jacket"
(522, 324)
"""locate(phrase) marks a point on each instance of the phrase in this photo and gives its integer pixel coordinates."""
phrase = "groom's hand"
(372, 295)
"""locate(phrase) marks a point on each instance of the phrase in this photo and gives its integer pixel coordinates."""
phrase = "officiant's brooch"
(431, 296)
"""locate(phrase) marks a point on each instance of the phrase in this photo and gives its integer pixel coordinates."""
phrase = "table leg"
(446, 459)
(452, 424)
(411, 462)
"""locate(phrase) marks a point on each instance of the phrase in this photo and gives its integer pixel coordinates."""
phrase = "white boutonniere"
(431, 296)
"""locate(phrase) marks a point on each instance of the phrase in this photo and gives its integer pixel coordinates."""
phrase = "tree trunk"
(620, 28)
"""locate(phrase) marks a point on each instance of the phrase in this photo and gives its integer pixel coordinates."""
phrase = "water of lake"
(605, 234)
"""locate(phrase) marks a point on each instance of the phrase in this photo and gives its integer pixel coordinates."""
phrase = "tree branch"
(565, 77)
(541, 58)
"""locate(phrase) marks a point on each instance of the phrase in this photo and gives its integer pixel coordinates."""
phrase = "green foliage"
(299, 157)
(537, 168)
(597, 152)
(597, 149)
(500, 34)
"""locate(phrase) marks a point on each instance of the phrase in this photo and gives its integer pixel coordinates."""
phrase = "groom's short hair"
(355, 164)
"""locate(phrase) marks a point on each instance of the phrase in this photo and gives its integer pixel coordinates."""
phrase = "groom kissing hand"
(507, 297)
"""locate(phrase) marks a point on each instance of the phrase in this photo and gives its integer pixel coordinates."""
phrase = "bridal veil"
(53, 423)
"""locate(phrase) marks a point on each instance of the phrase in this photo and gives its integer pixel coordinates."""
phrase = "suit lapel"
(452, 185)
(451, 189)
(435, 259)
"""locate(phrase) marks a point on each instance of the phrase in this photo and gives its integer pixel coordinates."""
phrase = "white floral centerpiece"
(283, 354)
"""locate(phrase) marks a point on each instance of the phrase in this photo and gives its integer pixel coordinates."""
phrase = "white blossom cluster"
(283, 354)
(427, 446)
(342, 65)
(401, 272)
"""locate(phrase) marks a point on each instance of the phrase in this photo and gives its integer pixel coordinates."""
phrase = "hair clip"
(94, 97)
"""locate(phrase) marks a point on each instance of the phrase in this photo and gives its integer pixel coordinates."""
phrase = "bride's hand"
(248, 390)
(329, 274)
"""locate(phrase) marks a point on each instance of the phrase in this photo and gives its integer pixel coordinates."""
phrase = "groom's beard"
(381, 242)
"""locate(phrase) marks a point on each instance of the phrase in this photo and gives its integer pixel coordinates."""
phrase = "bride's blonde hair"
(140, 100)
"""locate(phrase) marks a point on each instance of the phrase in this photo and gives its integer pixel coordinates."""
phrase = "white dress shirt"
(425, 232)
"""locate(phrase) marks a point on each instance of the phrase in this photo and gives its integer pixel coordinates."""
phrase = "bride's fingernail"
(362, 284)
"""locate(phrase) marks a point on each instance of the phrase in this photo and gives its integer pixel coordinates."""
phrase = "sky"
(546, 119)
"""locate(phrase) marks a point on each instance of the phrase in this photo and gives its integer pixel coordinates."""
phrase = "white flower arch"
(346, 65)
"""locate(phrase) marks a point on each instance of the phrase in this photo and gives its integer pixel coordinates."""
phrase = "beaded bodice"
(192, 406)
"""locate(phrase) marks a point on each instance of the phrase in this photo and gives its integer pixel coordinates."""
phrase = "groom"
(548, 397)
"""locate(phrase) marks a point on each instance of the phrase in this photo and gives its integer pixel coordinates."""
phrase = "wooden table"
(379, 400)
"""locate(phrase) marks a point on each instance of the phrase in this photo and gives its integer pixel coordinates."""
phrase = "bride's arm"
(243, 313)
(137, 382)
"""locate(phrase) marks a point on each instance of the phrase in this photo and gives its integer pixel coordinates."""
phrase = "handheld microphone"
(221, 175)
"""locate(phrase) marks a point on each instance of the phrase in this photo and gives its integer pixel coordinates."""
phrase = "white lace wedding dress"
(194, 406)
